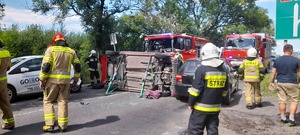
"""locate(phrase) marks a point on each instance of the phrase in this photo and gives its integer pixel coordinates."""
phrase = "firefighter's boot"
(48, 128)
(62, 129)
(8, 127)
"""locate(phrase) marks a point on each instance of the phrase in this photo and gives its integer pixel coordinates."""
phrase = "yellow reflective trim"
(251, 77)
(61, 49)
(62, 120)
(49, 116)
(59, 76)
(4, 54)
(76, 60)
(217, 77)
(204, 109)
(77, 75)
(43, 75)
(8, 121)
(193, 93)
(3, 78)
(47, 58)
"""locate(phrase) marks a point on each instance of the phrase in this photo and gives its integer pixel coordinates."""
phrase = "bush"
(264, 86)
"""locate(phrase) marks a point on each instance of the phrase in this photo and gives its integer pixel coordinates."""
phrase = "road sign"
(287, 19)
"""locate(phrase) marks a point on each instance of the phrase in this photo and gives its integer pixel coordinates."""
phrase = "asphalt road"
(123, 113)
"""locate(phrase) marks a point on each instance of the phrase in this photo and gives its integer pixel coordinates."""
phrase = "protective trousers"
(94, 74)
(7, 115)
(198, 121)
(252, 87)
(60, 93)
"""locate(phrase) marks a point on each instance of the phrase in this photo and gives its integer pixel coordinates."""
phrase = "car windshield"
(189, 66)
(240, 43)
(15, 61)
(154, 45)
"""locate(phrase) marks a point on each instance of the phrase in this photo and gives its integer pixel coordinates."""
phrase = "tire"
(12, 94)
(73, 90)
(109, 52)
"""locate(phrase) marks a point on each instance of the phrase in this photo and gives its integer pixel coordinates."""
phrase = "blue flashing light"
(230, 57)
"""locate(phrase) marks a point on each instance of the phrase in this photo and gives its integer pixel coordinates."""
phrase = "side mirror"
(264, 40)
(24, 69)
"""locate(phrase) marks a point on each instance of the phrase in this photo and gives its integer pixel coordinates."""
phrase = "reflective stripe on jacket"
(60, 58)
(208, 89)
(251, 70)
(4, 63)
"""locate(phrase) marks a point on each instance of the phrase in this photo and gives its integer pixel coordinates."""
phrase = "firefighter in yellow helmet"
(5, 108)
(55, 81)
(252, 71)
(207, 92)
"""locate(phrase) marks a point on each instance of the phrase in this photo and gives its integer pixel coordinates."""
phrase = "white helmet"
(251, 52)
(208, 51)
(93, 52)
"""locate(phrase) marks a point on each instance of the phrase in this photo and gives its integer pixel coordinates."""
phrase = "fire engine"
(163, 54)
(236, 47)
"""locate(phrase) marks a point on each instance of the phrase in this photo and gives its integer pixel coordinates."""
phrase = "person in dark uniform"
(207, 92)
(93, 62)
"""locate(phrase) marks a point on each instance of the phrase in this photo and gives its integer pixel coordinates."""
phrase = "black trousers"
(94, 74)
(198, 121)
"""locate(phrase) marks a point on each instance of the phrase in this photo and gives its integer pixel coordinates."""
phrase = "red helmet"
(58, 36)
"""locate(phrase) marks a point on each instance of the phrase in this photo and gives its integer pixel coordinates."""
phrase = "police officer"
(55, 80)
(93, 62)
(207, 92)
(252, 71)
(7, 115)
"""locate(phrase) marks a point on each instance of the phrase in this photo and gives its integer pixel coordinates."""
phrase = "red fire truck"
(185, 43)
(236, 47)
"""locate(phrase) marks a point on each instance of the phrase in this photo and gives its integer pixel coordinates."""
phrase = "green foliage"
(264, 86)
(2, 5)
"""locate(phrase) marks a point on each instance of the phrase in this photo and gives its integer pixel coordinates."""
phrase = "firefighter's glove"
(261, 78)
(74, 84)
(241, 77)
(43, 85)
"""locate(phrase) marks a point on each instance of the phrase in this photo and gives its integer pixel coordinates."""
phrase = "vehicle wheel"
(226, 100)
(109, 52)
(12, 94)
(165, 94)
(77, 89)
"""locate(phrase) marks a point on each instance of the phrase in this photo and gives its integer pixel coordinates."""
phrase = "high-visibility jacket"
(60, 58)
(208, 89)
(5, 63)
(180, 57)
(251, 70)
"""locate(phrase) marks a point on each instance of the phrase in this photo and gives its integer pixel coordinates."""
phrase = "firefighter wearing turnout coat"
(5, 108)
(55, 81)
(207, 92)
(93, 62)
(252, 71)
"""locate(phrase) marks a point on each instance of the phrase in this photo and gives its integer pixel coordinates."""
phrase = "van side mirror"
(24, 69)
(264, 40)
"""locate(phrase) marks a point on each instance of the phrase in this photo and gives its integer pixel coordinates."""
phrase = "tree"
(96, 15)
(2, 5)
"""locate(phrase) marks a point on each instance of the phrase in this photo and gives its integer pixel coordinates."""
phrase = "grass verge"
(264, 87)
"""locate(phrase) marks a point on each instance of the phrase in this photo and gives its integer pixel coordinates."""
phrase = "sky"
(18, 12)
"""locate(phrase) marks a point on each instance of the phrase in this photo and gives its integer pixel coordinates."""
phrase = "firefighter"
(252, 71)
(207, 92)
(7, 114)
(93, 61)
(179, 57)
(55, 81)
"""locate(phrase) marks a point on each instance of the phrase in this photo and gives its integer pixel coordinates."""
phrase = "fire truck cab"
(236, 47)
(186, 44)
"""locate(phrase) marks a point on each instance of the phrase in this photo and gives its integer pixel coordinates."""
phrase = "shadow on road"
(36, 128)
(267, 103)
(94, 123)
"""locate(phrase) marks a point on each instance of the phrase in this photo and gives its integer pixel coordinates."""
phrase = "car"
(23, 76)
(184, 79)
